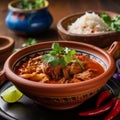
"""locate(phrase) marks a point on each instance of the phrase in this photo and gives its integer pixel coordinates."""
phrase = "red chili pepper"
(99, 110)
(114, 112)
(102, 97)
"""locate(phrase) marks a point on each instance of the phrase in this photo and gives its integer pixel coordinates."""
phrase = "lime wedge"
(11, 94)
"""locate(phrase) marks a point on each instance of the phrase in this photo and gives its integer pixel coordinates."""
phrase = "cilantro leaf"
(51, 59)
(56, 48)
(114, 24)
(107, 19)
(30, 41)
(30, 4)
(60, 56)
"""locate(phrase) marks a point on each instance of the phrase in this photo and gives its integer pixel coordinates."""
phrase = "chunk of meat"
(75, 68)
(88, 74)
(74, 80)
(62, 80)
(66, 72)
(54, 72)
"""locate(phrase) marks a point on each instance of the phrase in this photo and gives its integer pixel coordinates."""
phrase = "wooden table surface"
(58, 9)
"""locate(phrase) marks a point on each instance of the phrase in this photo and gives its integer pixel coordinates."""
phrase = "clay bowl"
(62, 96)
(99, 39)
(6, 47)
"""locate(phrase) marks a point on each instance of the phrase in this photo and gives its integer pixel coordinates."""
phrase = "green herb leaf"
(60, 56)
(31, 4)
(30, 41)
(16, 49)
(56, 48)
(51, 59)
(39, 3)
(114, 24)
(107, 19)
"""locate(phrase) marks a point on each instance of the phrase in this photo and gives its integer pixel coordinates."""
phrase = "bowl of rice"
(88, 27)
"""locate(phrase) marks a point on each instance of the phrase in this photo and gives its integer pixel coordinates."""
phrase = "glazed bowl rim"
(15, 9)
(63, 30)
(16, 79)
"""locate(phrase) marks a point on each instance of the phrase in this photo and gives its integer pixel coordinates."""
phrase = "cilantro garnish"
(29, 42)
(60, 56)
(31, 4)
(114, 24)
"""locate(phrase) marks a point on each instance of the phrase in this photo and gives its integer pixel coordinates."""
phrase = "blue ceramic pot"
(28, 21)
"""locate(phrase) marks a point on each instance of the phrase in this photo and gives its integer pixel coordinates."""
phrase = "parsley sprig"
(60, 56)
(114, 24)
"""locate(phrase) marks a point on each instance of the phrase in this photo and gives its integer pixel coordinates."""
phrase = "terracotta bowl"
(100, 39)
(62, 96)
(6, 47)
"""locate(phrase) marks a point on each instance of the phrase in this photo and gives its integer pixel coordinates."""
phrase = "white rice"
(89, 23)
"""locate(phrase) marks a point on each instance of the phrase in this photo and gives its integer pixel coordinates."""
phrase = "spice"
(102, 97)
(99, 110)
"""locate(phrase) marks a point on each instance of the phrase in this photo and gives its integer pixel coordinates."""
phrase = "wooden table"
(58, 9)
